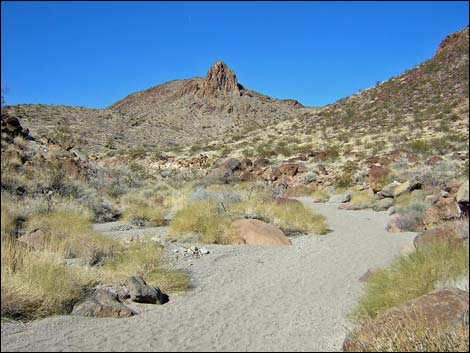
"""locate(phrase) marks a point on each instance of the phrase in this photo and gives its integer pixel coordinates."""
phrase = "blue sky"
(94, 53)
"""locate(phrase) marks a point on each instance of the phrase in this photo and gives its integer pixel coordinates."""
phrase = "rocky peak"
(220, 80)
(455, 40)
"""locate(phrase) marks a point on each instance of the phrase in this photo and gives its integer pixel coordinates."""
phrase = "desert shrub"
(141, 207)
(146, 260)
(419, 146)
(320, 195)
(71, 235)
(411, 276)
(205, 219)
(364, 198)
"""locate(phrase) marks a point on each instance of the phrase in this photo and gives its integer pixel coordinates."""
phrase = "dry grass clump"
(71, 234)
(320, 195)
(139, 207)
(411, 276)
(364, 198)
(206, 220)
(146, 260)
(37, 283)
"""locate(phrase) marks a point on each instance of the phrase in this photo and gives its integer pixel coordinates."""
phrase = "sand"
(244, 298)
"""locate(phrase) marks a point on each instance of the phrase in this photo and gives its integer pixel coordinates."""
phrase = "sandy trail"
(246, 298)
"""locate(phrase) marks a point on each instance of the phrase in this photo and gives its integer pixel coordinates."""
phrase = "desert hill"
(173, 114)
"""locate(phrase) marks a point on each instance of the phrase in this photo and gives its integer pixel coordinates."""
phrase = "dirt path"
(246, 298)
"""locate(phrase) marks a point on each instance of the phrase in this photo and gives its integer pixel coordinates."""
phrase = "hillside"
(423, 111)
(171, 115)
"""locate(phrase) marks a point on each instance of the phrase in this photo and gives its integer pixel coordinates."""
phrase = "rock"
(407, 186)
(462, 199)
(340, 198)
(289, 169)
(383, 205)
(261, 163)
(204, 251)
(444, 232)
(232, 164)
(365, 277)
(255, 232)
(377, 177)
(140, 292)
(247, 176)
(443, 210)
(441, 310)
(10, 125)
(165, 173)
(387, 190)
(72, 168)
(102, 304)
(273, 175)
(246, 164)
(433, 160)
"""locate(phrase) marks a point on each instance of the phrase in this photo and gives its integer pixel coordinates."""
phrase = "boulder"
(232, 164)
(377, 177)
(433, 160)
(10, 125)
(246, 164)
(439, 310)
(71, 167)
(140, 292)
(247, 176)
(255, 232)
(407, 186)
(383, 205)
(102, 304)
(443, 210)
(261, 162)
(462, 199)
(444, 232)
(289, 169)
(387, 190)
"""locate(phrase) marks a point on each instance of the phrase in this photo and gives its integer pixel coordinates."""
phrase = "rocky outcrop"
(220, 80)
(255, 232)
(407, 186)
(443, 209)
(440, 310)
(377, 177)
(10, 125)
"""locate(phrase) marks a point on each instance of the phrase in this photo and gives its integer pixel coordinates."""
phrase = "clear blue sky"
(94, 53)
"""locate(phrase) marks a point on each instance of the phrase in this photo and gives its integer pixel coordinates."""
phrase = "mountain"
(174, 114)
